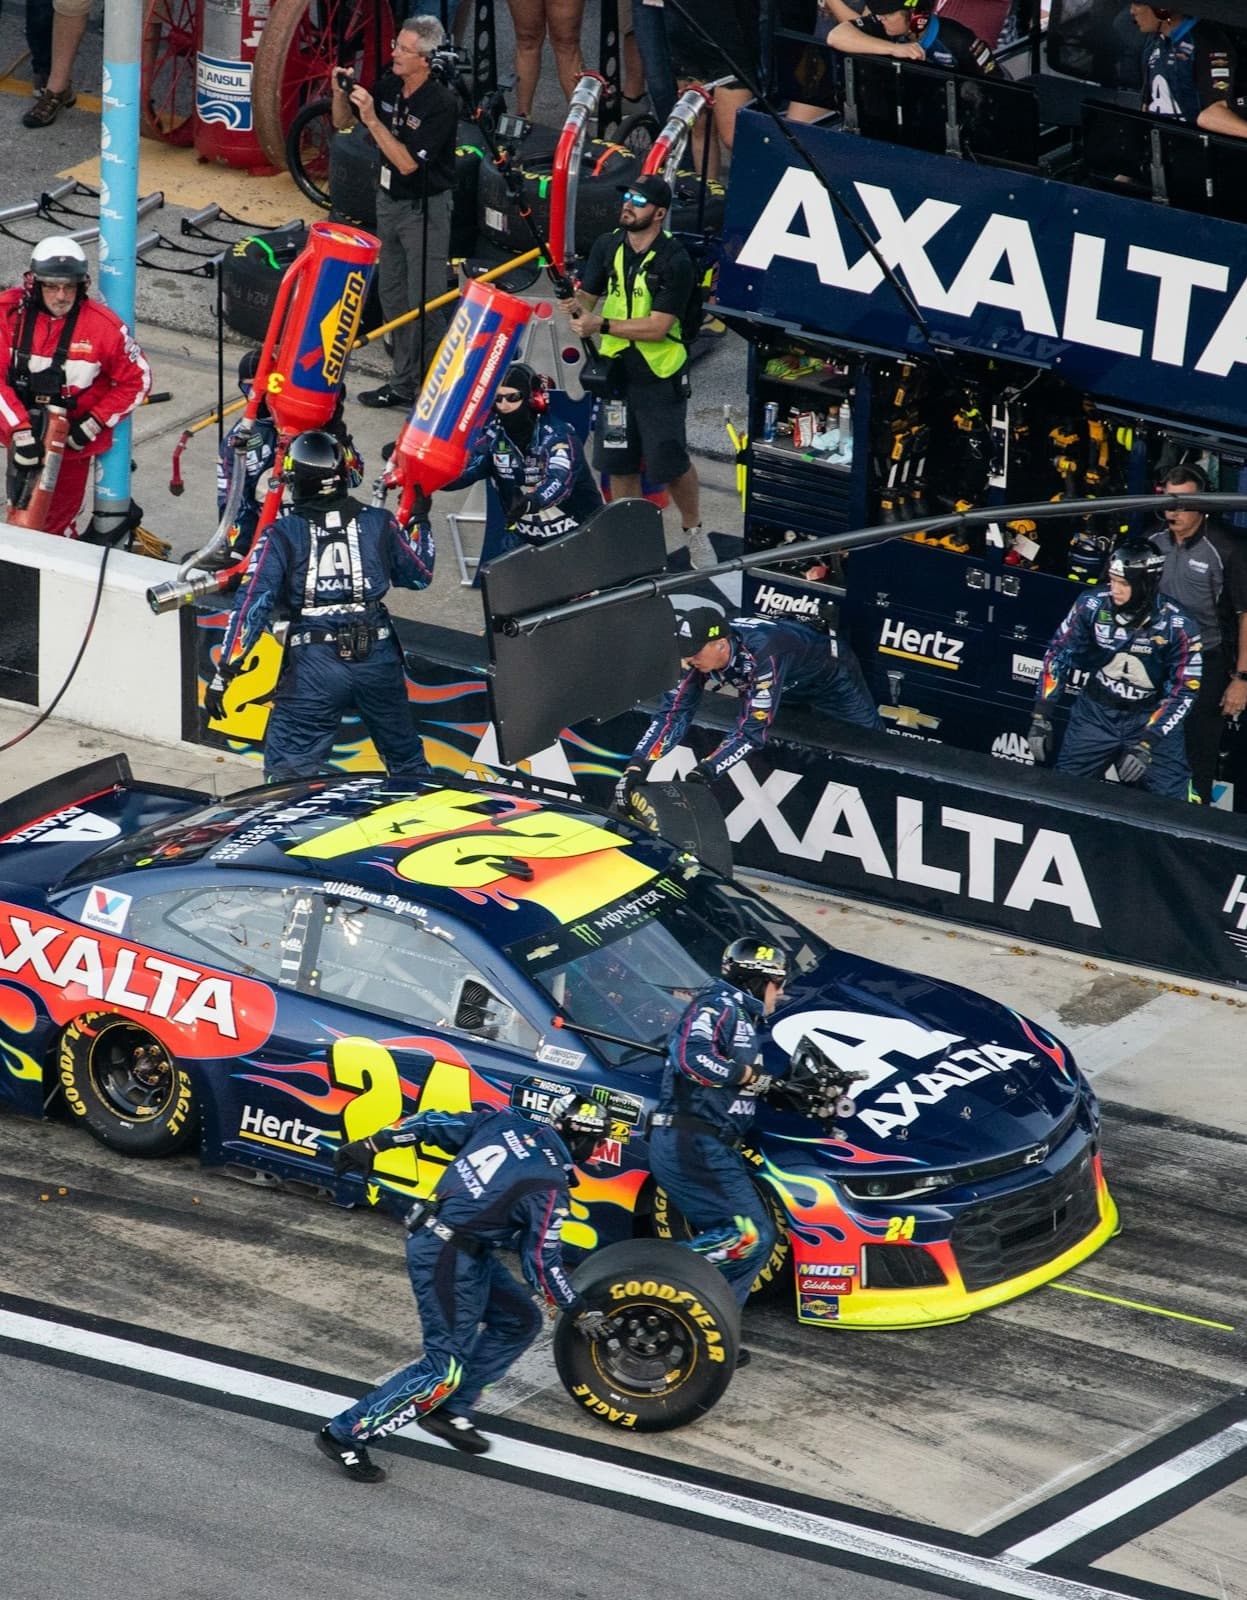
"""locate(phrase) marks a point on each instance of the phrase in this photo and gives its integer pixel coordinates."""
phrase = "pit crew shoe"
(743, 1358)
(455, 1430)
(352, 1458)
(386, 395)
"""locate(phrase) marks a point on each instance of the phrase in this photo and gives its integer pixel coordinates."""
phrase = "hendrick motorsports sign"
(1125, 298)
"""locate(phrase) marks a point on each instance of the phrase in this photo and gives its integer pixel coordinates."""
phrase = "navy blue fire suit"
(506, 1189)
(261, 454)
(769, 659)
(546, 490)
(327, 567)
(1141, 682)
(702, 1116)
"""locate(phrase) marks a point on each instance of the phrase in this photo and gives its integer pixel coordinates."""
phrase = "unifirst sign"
(1120, 297)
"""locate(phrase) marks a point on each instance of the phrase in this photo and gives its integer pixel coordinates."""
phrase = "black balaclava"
(519, 421)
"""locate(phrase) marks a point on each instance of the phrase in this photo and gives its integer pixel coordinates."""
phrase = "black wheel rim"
(132, 1073)
(648, 1350)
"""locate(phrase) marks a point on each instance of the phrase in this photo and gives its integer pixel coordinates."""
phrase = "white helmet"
(59, 260)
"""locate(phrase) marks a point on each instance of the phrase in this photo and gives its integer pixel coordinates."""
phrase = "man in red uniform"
(60, 348)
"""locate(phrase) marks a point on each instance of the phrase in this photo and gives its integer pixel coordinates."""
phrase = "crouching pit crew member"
(1143, 664)
(507, 1188)
(327, 563)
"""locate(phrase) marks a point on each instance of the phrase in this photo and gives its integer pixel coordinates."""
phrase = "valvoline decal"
(331, 323)
(196, 1012)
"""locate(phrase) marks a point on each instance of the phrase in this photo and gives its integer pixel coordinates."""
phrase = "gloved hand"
(761, 1083)
(421, 506)
(1135, 762)
(84, 432)
(214, 695)
(591, 1324)
(27, 450)
(356, 1156)
(698, 774)
(1039, 737)
(631, 779)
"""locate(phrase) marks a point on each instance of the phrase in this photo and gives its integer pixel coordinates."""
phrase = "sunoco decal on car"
(196, 1012)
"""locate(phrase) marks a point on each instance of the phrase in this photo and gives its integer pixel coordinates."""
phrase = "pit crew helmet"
(1141, 567)
(580, 1123)
(59, 259)
(750, 964)
(313, 467)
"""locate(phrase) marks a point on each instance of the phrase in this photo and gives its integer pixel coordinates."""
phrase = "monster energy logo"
(673, 888)
(582, 930)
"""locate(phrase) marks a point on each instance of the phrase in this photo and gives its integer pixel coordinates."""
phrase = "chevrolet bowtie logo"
(909, 717)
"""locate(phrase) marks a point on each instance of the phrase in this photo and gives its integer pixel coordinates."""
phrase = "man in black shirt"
(413, 119)
(885, 30)
(1191, 69)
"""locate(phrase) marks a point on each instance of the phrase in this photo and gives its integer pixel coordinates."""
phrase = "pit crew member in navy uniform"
(886, 30)
(536, 464)
(1190, 70)
(58, 347)
(1206, 578)
(706, 1104)
(507, 1189)
(1143, 664)
(327, 564)
(763, 659)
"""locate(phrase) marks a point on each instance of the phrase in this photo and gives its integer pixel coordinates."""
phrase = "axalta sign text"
(1000, 267)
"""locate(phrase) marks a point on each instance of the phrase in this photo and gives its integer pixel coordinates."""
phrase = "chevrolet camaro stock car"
(268, 975)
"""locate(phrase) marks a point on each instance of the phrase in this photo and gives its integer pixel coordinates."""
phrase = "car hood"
(952, 1077)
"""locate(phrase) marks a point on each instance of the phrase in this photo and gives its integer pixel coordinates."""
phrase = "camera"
(343, 80)
(447, 63)
(512, 127)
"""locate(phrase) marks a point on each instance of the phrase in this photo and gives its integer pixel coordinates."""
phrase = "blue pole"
(119, 196)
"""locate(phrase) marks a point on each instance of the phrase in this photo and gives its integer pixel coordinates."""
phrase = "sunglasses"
(508, 397)
(632, 198)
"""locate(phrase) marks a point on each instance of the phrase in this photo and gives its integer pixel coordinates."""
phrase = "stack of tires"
(250, 275)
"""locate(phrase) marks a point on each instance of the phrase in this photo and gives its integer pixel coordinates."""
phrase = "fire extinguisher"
(32, 511)
(229, 37)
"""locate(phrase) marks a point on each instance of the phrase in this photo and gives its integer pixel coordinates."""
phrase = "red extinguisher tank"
(229, 35)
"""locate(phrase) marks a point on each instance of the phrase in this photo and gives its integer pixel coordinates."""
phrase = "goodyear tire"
(774, 1277)
(126, 1089)
(672, 1348)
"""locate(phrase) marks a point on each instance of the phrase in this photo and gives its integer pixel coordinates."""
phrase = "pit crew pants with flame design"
(477, 1321)
(710, 1183)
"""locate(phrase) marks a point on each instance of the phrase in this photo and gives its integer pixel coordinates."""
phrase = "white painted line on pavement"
(1148, 1486)
(1005, 1576)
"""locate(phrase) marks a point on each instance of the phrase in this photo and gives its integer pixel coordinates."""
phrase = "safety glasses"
(508, 397)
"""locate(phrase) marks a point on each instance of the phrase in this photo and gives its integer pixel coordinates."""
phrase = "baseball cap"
(653, 186)
(696, 628)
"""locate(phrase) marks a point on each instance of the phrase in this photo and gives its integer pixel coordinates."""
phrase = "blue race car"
(271, 974)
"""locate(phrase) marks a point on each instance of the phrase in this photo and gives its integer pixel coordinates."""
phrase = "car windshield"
(630, 968)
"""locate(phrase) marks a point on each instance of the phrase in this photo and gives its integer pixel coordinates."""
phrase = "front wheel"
(126, 1088)
(670, 1348)
(774, 1274)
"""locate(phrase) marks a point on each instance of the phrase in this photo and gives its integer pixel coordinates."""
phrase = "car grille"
(900, 1266)
(1004, 1238)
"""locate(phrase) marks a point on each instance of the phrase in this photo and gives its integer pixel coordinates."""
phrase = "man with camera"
(413, 119)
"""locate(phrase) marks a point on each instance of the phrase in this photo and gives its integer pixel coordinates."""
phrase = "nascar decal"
(196, 1012)
(507, 851)
(860, 1042)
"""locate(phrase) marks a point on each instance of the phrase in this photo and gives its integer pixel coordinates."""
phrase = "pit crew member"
(763, 659)
(886, 29)
(328, 564)
(1189, 71)
(1143, 662)
(506, 1189)
(58, 347)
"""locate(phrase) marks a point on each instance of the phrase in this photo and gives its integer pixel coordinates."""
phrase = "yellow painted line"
(1137, 1305)
(84, 102)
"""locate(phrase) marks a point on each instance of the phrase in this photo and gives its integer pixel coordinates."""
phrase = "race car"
(268, 975)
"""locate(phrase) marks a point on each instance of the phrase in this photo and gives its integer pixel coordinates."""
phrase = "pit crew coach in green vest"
(647, 279)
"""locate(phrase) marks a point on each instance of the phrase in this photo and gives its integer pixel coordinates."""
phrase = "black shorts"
(656, 434)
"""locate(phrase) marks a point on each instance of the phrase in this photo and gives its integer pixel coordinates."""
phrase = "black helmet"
(248, 366)
(1141, 567)
(580, 1123)
(313, 467)
(750, 964)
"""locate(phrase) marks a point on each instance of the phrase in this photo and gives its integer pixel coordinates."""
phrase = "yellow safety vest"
(664, 357)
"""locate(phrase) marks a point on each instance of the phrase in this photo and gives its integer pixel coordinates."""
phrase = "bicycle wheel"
(636, 133)
(307, 150)
(302, 42)
(167, 67)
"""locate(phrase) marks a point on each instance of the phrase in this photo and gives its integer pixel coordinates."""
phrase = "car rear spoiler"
(79, 787)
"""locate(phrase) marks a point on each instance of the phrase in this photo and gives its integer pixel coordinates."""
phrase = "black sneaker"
(743, 1358)
(352, 1458)
(386, 395)
(455, 1430)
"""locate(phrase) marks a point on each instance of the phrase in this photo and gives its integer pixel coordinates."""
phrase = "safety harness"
(47, 386)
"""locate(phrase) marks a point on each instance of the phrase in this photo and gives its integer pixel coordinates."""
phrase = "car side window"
(232, 926)
(379, 962)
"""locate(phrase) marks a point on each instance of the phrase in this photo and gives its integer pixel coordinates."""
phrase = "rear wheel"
(307, 150)
(670, 1348)
(774, 1276)
(125, 1086)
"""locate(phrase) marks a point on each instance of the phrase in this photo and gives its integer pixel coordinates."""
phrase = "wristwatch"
(1241, 676)
(606, 324)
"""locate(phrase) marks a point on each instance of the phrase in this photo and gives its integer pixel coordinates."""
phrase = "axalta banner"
(1125, 299)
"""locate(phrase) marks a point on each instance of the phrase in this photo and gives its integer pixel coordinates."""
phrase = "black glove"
(1135, 762)
(357, 1156)
(631, 779)
(27, 451)
(421, 506)
(591, 1324)
(1039, 737)
(214, 695)
(84, 432)
(698, 774)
